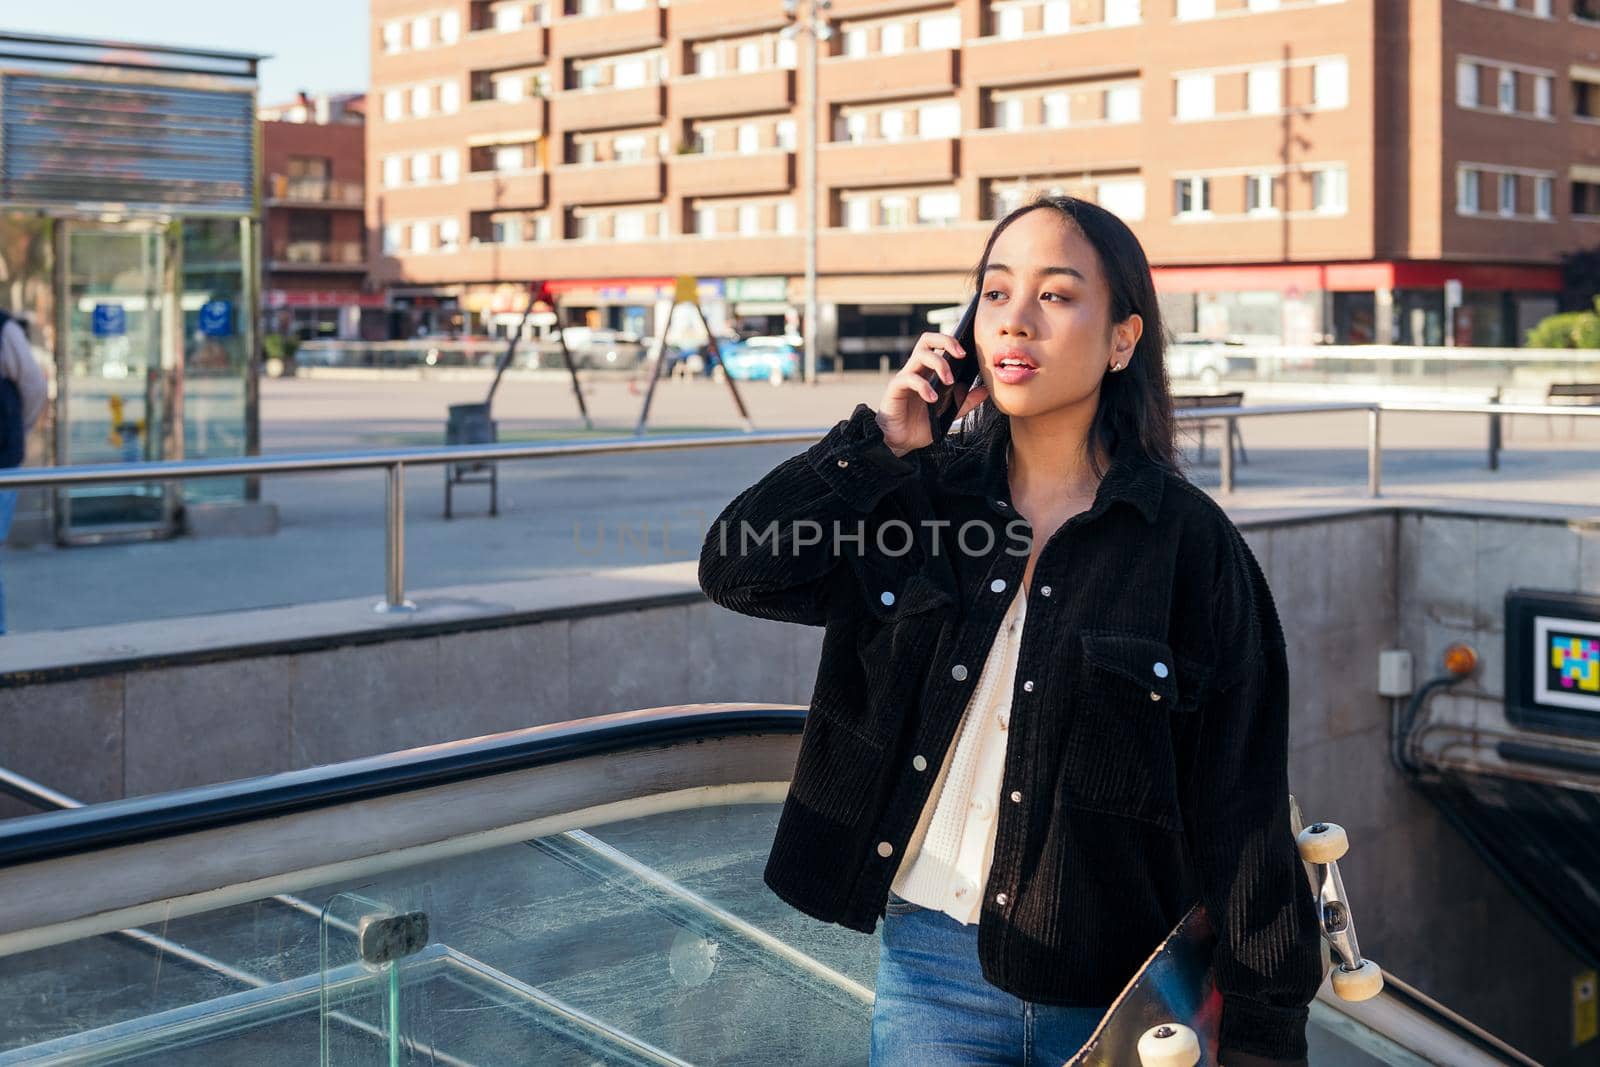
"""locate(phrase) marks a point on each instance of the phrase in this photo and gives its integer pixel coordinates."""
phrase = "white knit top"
(946, 863)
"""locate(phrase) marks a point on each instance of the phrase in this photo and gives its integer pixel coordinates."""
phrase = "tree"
(1569, 329)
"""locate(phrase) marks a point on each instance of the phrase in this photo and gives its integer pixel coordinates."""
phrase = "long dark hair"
(1135, 402)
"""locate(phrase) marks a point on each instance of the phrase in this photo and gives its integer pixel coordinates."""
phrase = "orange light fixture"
(1460, 659)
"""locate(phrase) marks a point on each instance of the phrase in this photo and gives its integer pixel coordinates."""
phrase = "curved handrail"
(118, 823)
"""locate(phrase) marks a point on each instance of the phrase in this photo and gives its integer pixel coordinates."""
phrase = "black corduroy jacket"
(1146, 765)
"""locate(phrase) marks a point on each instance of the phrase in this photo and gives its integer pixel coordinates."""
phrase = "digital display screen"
(1553, 661)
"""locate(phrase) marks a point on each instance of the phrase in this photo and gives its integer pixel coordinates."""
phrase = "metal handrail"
(394, 461)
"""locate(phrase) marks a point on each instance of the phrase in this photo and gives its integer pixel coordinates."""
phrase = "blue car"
(773, 359)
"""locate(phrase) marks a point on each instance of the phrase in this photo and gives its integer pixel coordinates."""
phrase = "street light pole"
(814, 25)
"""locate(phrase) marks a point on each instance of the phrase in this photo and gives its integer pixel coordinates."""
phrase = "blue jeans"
(8, 508)
(934, 1008)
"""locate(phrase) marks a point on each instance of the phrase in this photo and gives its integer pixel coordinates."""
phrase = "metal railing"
(395, 461)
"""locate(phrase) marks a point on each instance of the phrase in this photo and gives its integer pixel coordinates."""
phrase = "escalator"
(578, 894)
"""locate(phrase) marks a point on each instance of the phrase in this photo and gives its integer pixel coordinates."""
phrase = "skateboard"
(1170, 1013)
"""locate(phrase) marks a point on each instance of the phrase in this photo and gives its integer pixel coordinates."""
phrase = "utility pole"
(809, 18)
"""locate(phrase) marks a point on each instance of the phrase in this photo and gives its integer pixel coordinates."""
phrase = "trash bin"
(470, 424)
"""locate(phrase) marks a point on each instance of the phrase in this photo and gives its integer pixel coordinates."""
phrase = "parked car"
(615, 349)
(1201, 359)
(775, 359)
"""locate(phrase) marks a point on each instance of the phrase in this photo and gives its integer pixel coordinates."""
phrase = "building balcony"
(1055, 150)
(696, 97)
(692, 19)
(498, 49)
(849, 9)
(283, 191)
(608, 183)
(1077, 54)
(616, 31)
(955, 247)
(842, 164)
(925, 71)
(762, 254)
(494, 190)
(731, 173)
(601, 109)
(495, 121)
(317, 256)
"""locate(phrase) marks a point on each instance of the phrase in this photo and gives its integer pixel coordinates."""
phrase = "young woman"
(1051, 710)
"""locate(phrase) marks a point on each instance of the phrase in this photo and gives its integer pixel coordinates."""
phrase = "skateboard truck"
(1354, 978)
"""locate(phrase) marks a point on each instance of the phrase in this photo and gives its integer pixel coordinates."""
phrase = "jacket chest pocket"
(1120, 753)
(903, 618)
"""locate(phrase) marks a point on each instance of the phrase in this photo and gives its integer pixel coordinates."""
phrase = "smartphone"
(964, 371)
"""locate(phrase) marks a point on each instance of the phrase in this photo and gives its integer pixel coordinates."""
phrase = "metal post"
(1374, 452)
(1227, 456)
(812, 110)
(1494, 434)
(395, 540)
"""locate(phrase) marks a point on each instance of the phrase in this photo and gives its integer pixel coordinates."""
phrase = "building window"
(508, 17)
(939, 120)
(393, 171)
(938, 209)
(393, 104)
(1197, 96)
(1330, 83)
(419, 236)
(749, 219)
(1057, 109)
(508, 89)
(705, 61)
(449, 166)
(786, 216)
(1192, 196)
(1541, 8)
(855, 42)
(392, 237)
(421, 100)
(1508, 194)
(628, 149)
(1258, 194)
(1004, 199)
(1466, 83)
(1544, 195)
(421, 33)
(892, 39)
(628, 226)
(1328, 190)
(393, 37)
(508, 157)
(893, 211)
(1122, 103)
(1121, 12)
(449, 235)
(1263, 5)
(1010, 22)
(1007, 113)
(857, 214)
(1123, 197)
(1543, 94)
(891, 125)
(1585, 198)
(1196, 9)
(1057, 16)
(855, 128)
(1467, 191)
(1264, 91)
(450, 27)
(421, 171)
(939, 31)
(749, 138)
(749, 56)
(705, 221)
(450, 98)
(788, 52)
(1585, 98)
(705, 139)
(1508, 90)
(786, 134)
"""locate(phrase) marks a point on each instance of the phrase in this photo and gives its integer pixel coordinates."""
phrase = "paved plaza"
(590, 513)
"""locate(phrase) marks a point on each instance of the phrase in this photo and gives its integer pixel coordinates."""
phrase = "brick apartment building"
(1297, 170)
(314, 239)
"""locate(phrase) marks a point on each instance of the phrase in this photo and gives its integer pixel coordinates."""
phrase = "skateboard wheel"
(1322, 842)
(1363, 983)
(1169, 1045)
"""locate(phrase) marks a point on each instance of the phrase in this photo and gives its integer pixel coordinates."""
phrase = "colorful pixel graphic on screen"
(1575, 662)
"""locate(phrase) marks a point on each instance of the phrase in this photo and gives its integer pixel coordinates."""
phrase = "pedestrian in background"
(23, 392)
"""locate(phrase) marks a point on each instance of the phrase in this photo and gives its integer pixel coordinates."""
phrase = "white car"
(1202, 359)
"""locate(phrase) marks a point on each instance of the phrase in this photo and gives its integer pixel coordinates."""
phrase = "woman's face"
(1044, 301)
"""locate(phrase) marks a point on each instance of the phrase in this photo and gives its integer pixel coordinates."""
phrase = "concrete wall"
(1346, 586)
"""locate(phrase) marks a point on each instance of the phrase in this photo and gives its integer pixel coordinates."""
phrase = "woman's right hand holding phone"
(903, 411)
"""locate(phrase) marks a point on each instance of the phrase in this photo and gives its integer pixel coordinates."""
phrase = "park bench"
(1191, 401)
